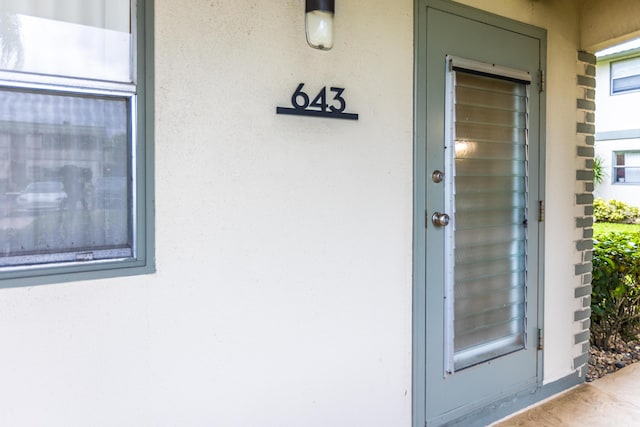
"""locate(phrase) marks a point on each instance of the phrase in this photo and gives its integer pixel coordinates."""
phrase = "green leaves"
(599, 173)
(615, 297)
(620, 291)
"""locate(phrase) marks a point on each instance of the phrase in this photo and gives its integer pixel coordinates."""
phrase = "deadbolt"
(437, 176)
(440, 219)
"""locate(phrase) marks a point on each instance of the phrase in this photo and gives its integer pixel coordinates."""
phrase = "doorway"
(478, 180)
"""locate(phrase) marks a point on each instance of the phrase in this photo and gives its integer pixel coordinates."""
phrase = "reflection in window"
(64, 177)
(75, 157)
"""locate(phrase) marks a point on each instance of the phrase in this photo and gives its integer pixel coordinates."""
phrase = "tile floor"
(612, 401)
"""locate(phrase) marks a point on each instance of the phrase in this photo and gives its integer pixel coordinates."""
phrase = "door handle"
(437, 176)
(440, 219)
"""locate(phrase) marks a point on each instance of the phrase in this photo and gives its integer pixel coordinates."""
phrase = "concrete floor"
(610, 401)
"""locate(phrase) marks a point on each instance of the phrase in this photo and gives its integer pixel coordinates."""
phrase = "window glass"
(487, 194)
(74, 157)
(625, 75)
(86, 39)
(64, 177)
(627, 167)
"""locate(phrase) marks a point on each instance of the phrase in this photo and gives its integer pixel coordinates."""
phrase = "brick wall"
(584, 199)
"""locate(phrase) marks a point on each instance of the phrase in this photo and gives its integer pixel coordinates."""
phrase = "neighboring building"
(618, 124)
(189, 237)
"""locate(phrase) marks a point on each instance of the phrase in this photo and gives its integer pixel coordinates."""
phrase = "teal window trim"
(143, 216)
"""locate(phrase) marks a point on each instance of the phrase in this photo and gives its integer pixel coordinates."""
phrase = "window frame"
(615, 167)
(141, 159)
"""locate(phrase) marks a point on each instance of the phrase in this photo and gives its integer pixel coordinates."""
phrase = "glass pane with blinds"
(488, 201)
(627, 167)
(72, 38)
(65, 177)
(625, 75)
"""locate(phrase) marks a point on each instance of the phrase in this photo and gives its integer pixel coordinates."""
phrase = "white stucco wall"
(287, 239)
(608, 190)
(615, 113)
(283, 291)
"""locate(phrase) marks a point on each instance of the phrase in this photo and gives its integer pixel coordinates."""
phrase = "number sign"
(303, 105)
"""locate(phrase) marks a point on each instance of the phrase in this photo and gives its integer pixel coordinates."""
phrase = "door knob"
(440, 219)
(437, 176)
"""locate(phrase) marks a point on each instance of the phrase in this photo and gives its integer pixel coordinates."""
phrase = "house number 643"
(303, 105)
(320, 101)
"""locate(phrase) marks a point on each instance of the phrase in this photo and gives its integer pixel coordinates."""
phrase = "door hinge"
(540, 340)
(540, 81)
(540, 210)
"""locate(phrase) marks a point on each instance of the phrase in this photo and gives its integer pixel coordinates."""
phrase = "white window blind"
(625, 75)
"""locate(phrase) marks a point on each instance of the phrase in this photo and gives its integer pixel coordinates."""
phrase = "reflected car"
(42, 195)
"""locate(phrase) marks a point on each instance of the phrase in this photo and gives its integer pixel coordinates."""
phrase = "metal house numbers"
(330, 104)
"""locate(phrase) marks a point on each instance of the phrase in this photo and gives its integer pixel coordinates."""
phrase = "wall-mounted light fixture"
(319, 23)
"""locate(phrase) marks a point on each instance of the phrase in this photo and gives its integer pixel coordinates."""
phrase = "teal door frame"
(420, 304)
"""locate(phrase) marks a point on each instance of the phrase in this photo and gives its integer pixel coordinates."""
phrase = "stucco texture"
(283, 293)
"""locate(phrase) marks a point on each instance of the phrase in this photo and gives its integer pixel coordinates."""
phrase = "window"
(626, 167)
(487, 195)
(75, 140)
(625, 75)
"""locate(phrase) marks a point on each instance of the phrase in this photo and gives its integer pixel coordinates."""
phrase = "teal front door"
(478, 229)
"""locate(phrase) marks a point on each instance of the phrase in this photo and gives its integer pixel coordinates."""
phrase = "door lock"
(440, 219)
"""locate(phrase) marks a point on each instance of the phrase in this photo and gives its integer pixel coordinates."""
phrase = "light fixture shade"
(319, 23)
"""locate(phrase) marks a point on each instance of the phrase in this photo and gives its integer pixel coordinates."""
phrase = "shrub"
(599, 173)
(614, 211)
(615, 287)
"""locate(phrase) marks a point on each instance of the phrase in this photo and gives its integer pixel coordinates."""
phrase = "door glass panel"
(486, 242)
